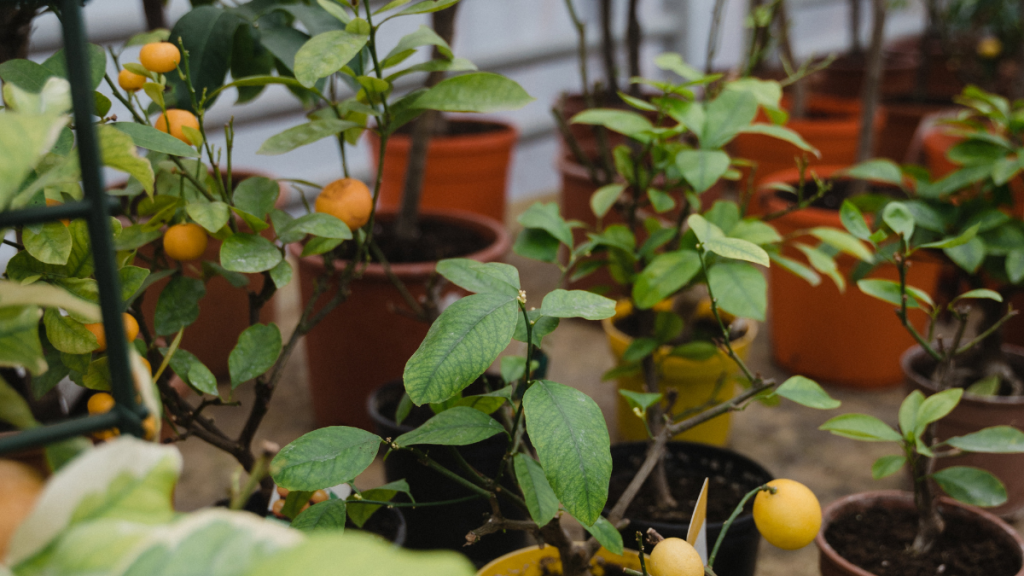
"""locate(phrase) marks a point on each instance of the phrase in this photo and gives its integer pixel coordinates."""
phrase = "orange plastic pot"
(466, 171)
(846, 338)
(223, 310)
(536, 561)
(363, 342)
(832, 125)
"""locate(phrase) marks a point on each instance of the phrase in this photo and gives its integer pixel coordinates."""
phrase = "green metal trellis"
(96, 208)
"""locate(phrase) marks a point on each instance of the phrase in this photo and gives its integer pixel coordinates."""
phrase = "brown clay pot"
(903, 116)
(844, 78)
(846, 338)
(832, 126)
(223, 310)
(363, 342)
(941, 80)
(465, 171)
(936, 143)
(972, 414)
(586, 136)
(832, 564)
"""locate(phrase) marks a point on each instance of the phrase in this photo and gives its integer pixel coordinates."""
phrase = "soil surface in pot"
(870, 201)
(547, 568)
(685, 479)
(971, 367)
(879, 541)
(437, 240)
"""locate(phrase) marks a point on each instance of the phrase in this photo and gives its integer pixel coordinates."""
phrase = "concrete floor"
(784, 439)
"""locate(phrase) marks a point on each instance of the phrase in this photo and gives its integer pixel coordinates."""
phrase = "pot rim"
(505, 134)
(492, 565)
(916, 351)
(497, 247)
(830, 512)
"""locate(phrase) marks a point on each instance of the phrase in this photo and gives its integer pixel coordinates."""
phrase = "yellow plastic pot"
(693, 381)
(527, 562)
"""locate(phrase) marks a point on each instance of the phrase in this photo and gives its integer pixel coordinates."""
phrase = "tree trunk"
(429, 123)
(872, 81)
(611, 76)
(15, 28)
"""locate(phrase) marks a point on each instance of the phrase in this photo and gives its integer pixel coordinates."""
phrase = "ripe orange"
(101, 336)
(177, 118)
(149, 427)
(989, 47)
(675, 557)
(130, 81)
(319, 496)
(790, 518)
(100, 403)
(185, 242)
(52, 202)
(160, 57)
(21, 487)
(131, 331)
(347, 199)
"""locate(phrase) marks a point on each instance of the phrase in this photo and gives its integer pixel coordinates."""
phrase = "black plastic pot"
(431, 527)
(738, 554)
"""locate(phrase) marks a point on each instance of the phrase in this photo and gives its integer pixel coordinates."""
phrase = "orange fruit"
(278, 507)
(22, 485)
(52, 202)
(131, 327)
(989, 47)
(130, 81)
(131, 331)
(790, 518)
(160, 57)
(675, 557)
(101, 336)
(282, 492)
(348, 199)
(173, 122)
(149, 367)
(319, 496)
(185, 242)
(100, 403)
(149, 427)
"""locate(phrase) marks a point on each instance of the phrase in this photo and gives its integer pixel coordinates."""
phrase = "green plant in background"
(985, 41)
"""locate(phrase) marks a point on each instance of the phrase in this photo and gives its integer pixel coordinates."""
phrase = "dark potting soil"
(418, 415)
(879, 541)
(437, 240)
(726, 487)
(841, 190)
(971, 367)
(705, 329)
(547, 568)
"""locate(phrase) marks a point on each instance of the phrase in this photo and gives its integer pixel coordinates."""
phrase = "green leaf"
(675, 63)
(192, 371)
(861, 427)
(664, 276)
(24, 140)
(661, 202)
(458, 426)
(639, 400)
(1015, 266)
(604, 198)
(256, 195)
(936, 407)
(132, 279)
(210, 215)
(981, 293)
(880, 170)
(853, 220)
(702, 168)
(21, 347)
(969, 255)
(993, 440)
(703, 229)
(806, 392)
(178, 304)
(639, 349)
(571, 439)
(460, 345)
(25, 74)
(546, 217)
(426, 7)
(257, 350)
(540, 499)
(781, 133)
(281, 274)
(480, 277)
(737, 249)
(304, 134)
(49, 242)
(542, 326)
(57, 64)
(605, 533)
(732, 111)
(887, 466)
(898, 217)
(325, 54)
(577, 304)
(134, 237)
(537, 244)
(755, 231)
(155, 141)
(697, 351)
(66, 334)
(487, 403)
(985, 387)
(908, 413)
(740, 289)
(97, 376)
(843, 242)
(971, 486)
(248, 253)
(359, 512)
(317, 246)
(317, 224)
(886, 291)
(959, 240)
(474, 92)
(119, 152)
(809, 276)
(323, 458)
(625, 122)
(326, 515)
(15, 411)
(423, 36)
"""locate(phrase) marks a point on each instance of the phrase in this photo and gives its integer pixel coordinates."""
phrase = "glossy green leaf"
(178, 304)
(727, 114)
(843, 242)
(640, 400)
(577, 304)
(604, 198)
(806, 392)
(326, 515)
(971, 486)
(781, 133)
(323, 458)
(155, 141)
(908, 413)
(898, 217)
(936, 407)
(861, 427)
(192, 371)
(969, 255)
(664, 276)
(210, 215)
(281, 274)
(481, 277)
(569, 433)
(317, 224)
(256, 195)
(21, 347)
(853, 220)
(257, 350)
(809, 276)
(958, 240)
(887, 466)
(537, 244)
(460, 345)
(886, 291)
(626, 122)
(118, 152)
(740, 289)
(639, 349)
(474, 92)
(540, 499)
(303, 134)
(605, 533)
(325, 54)
(542, 326)
(458, 426)
(879, 170)
(702, 168)
(698, 350)
(248, 253)
(546, 217)
(993, 440)
(737, 249)
(755, 231)
(988, 386)
(981, 293)
(1015, 265)
(49, 242)
(57, 64)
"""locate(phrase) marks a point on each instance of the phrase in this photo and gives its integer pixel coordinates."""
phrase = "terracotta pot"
(844, 78)
(223, 310)
(537, 561)
(34, 457)
(465, 171)
(363, 342)
(846, 338)
(941, 81)
(586, 136)
(832, 126)
(832, 564)
(936, 144)
(972, 414)
(693, 381)
(903, 117)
